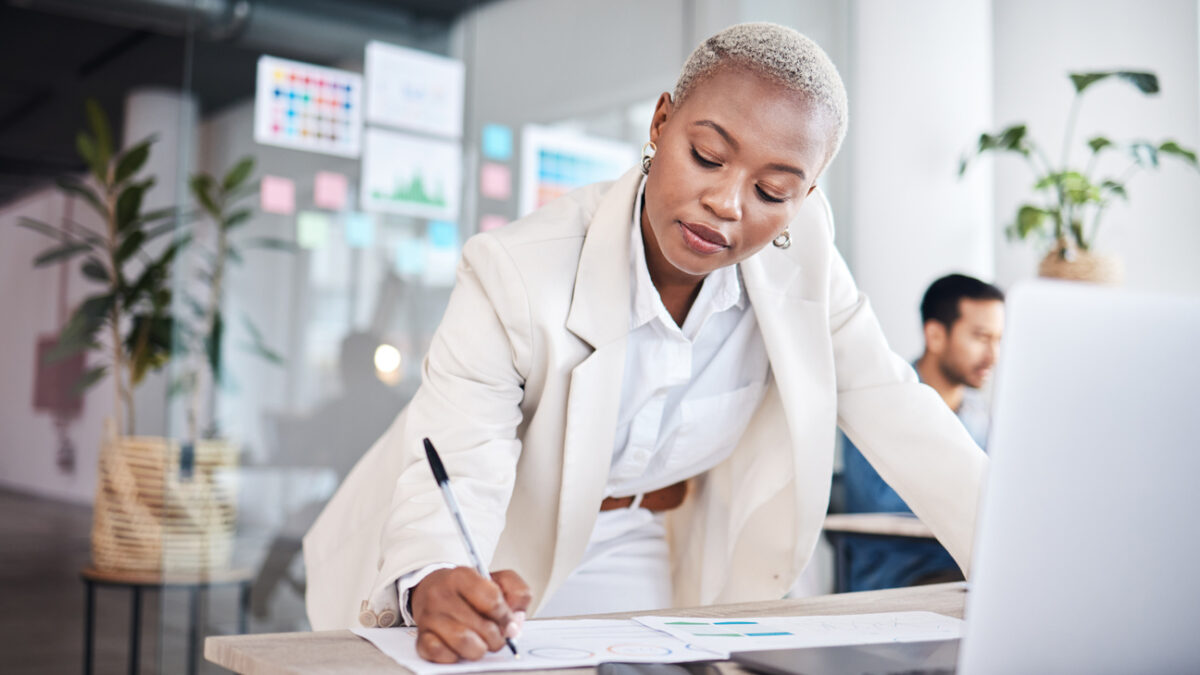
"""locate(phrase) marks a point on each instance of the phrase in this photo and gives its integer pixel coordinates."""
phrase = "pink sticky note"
(277, 195)
(490, 222)
(329, 190)
(495, 181)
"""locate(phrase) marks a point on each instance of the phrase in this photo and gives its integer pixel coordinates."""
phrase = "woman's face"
(733, 164)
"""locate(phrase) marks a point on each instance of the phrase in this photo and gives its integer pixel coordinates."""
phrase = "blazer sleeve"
(903, 428)
(468, 405)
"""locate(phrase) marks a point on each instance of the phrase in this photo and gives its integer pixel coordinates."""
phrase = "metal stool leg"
(243, 607)
(193, 627)
(135, 630)
(88, 625)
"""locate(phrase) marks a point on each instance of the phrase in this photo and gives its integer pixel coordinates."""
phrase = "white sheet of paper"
(545, 644)
(789, 632)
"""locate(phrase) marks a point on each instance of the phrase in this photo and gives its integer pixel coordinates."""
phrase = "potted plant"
(1071, 199)
(158, 506)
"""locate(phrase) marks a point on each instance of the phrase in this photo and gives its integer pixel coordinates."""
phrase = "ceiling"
(52, 60)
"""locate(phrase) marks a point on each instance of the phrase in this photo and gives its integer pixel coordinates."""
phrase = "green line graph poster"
(411, 175)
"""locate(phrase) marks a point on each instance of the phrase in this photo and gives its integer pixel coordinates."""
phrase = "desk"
(871, 524)
(136, 581)
(340, 651)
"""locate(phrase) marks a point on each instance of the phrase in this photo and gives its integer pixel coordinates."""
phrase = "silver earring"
(648, 150)
(784, 240)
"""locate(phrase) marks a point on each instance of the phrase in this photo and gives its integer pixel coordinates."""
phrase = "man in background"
(963, 320)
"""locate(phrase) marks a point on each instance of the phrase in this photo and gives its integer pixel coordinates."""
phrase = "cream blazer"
(520, 393)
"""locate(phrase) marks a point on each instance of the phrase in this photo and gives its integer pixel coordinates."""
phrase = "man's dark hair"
(942, 298)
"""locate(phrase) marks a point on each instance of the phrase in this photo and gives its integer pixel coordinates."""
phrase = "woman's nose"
(723, 199)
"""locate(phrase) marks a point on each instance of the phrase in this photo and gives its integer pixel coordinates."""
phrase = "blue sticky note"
(360, 229)
(442, 234)
(410, 257)
(497, 142)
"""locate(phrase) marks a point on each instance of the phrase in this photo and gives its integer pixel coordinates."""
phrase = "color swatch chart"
(307, 107)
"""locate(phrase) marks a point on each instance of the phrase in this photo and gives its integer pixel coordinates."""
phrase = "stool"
(196, 585)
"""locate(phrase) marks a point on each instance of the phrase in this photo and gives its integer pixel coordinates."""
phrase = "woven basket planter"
(1078, 265)
(159, 511)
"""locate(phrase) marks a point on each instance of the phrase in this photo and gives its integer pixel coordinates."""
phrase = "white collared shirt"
(686, 396)
(688, 391)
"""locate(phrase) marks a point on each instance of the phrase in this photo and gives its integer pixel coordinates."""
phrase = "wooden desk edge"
(340, 652)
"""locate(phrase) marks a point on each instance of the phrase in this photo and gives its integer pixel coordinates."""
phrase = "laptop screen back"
(1088, 544)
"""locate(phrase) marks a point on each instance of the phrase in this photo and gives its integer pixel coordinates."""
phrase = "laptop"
(1088, 539)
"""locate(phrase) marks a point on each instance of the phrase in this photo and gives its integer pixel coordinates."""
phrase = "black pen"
(443, 481)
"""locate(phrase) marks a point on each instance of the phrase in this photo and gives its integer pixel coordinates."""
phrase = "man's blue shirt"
(891, 562)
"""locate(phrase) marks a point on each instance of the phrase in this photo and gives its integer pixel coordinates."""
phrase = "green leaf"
(42, 228)
(258, 345)
(212, 344)
(1030, 219)
(1113, 187)
(87, 150)
(80, 330)
(129, 246)
(1077, 189)
(98, 121)
(1099, 143)
(1144, 154)
(132, 160)
(1174, 149)
(234, 255)
(202, 189)
(238, 218)
(75, 187)
(1146, 82)
(272, 243)
(64, 252)
(1077, 233)
(89, 379)
(95, 270)
(129, 204)
(238, 174)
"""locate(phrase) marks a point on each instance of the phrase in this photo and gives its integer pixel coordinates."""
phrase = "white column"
(171, 116)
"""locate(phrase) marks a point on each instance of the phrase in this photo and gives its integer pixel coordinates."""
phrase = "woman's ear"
(662, 112)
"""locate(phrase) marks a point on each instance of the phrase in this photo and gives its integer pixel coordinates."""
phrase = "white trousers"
(626, 568)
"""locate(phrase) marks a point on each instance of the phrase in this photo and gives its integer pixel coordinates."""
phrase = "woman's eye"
(768, 197)
(706, 163)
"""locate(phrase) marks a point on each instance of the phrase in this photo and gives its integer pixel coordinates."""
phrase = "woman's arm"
(901, 426)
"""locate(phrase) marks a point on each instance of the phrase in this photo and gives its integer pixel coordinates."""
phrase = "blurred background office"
(383, 133)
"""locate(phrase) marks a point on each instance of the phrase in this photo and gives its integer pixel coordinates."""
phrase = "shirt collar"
(720, 290)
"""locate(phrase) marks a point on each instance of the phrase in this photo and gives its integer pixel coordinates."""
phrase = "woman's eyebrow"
(734, 144)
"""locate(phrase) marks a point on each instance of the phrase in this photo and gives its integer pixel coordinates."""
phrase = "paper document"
(789, 632)
(552, 644)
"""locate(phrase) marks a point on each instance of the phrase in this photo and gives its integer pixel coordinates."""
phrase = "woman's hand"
(461, 615)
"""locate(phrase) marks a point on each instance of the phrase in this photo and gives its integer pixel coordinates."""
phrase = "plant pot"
(1076, 265)
(158, 510)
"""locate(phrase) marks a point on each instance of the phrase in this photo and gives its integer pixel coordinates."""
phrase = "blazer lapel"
(599, 315)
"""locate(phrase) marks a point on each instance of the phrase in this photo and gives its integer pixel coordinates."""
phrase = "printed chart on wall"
(554, 162)
(306, 107)
(410, 175)
(551, 644)
(415, 90)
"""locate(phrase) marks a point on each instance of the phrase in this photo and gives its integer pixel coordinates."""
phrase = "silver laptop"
(1087, 554)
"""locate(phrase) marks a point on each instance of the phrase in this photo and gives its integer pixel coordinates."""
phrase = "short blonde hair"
(780, 54)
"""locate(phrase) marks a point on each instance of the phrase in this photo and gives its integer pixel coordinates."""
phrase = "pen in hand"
(443, 481)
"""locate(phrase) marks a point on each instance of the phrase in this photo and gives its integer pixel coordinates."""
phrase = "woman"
(635, 389)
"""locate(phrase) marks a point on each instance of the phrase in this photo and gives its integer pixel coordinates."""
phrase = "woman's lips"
(702, 239)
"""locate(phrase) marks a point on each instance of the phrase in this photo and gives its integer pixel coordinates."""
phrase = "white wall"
(29, 305)
(920, 88)
(1037, 43)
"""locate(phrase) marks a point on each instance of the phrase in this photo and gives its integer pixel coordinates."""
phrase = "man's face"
(967, 352)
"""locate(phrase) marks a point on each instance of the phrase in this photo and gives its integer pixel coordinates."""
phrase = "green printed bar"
(687, 623)
(718, 634)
